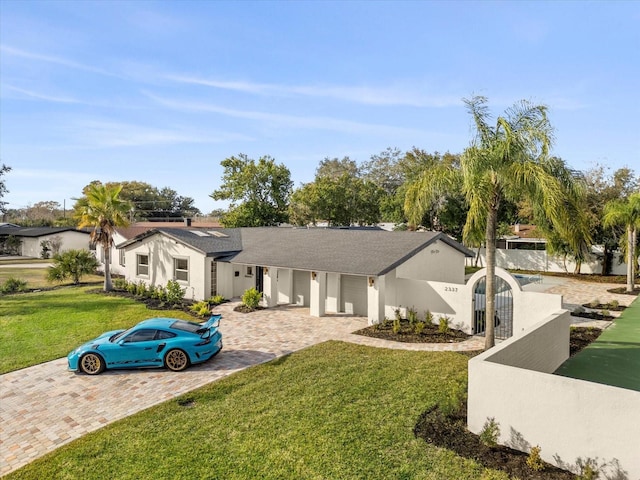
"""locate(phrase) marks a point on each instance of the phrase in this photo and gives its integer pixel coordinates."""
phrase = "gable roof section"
(356, 252)
(221, 242)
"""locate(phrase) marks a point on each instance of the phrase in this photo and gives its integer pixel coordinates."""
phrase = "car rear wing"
(207, 328)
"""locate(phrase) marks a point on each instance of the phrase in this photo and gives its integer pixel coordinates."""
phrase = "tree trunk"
(630, 258)
(107, 268)
(490, 307)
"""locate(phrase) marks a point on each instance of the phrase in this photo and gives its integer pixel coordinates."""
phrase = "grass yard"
(37, 277)
(333, 411)
(66, 317)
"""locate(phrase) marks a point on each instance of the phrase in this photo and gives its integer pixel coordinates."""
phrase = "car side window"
(143, 335)
(163, 335)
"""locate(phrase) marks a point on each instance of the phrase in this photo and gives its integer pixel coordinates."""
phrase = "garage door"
(301, 288)
(354, 295)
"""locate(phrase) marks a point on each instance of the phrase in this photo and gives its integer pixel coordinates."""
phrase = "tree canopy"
(258, 191)
(3, 187)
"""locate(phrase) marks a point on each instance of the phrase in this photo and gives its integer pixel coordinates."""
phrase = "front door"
(259, 279)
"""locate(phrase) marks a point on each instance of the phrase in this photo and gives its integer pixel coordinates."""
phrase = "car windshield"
(118, 336)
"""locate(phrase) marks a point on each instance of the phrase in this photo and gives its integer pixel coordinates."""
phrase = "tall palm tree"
(627, 213)
(104, 210)
(505, 161)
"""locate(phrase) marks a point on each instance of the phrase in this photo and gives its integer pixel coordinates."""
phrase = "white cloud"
(290, 121)
(405, 95)
(39, 96)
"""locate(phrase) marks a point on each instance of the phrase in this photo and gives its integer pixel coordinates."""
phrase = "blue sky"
(162, 92)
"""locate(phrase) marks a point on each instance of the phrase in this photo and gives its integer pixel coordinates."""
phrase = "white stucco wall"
(438, 261)
(567, 418)
(540, 260)
(161, 251)
(115, 267)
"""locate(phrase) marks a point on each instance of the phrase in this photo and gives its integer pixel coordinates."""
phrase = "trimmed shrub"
(251, 298)
(13, 285)
(175, 293)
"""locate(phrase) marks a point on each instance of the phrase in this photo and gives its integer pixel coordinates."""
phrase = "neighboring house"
(361, 272)
(523, 237)
(58, 238)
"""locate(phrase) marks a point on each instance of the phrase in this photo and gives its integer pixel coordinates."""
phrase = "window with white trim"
(249, 271)
(142, 265)
(121, 252)
(181, 269)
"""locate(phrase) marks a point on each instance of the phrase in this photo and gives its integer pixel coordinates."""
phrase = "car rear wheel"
(176, 360)
(92, 364)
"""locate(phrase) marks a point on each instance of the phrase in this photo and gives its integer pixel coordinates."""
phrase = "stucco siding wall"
(70, 241)
(438, 262)
(225, 279)
(161, 252)
(567, 418)
(541, 261)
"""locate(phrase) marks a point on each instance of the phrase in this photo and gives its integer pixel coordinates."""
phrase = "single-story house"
(361, 272)
(57, 238)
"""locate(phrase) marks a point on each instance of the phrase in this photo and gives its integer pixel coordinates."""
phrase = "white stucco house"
(31, 238)
(360, 272)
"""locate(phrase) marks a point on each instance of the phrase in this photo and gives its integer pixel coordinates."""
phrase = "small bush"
(159, 293)
(385, 322)
(201, 309)
(397, 314)
(578, 310)
(594, 303)
(443, 324)
(604, 312)
(72, 264)
(131, 288)
(217, 299)
(251, 298)
(613, 304)
(396, 325)
(175, 293)
(120, 284)
(428, 317)
(534, 461)
(419, 327)
(490, 432)
(589, 469)
(13, 285)
(141, 289)
(412, 316)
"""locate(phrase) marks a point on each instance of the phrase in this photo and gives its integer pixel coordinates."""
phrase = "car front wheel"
(92, 364)
(176, 360)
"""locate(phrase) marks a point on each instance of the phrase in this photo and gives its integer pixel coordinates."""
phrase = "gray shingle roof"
(357, 252)
(35, 231)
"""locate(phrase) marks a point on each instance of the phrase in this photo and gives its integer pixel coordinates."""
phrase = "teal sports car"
(169, 342)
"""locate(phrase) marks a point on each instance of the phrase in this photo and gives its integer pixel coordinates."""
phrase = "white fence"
(541, 261)
(568, 418)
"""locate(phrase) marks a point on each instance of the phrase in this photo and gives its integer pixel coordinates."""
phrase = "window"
(181, 269)
(144, 335)
(142, 267)
(121, 252)
(163, 335)
(249, 272)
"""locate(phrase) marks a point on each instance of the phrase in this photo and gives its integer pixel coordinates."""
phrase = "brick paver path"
(45, 406)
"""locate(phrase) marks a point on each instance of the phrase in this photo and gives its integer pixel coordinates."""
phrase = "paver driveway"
(45, 406)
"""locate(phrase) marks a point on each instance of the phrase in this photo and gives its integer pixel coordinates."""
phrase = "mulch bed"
(407, 333)
(580, 337)
(245, 309)
(605, 306)
(593, 316)
(450, 432)
(623, 291)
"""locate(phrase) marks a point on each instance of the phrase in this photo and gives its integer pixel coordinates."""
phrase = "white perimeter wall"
(567, 418)
(455, 300)
(541, 261)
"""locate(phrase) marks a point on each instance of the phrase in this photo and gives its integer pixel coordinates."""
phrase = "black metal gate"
(503, 319)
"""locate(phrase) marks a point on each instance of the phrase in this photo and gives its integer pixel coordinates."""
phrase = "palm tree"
(505, 161)
(104, 210)
(627, 213)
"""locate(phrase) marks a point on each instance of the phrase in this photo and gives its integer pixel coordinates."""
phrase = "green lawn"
(614, 358)
(333, 411)
(42, 326)
(37, 277)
